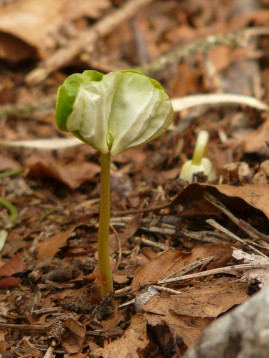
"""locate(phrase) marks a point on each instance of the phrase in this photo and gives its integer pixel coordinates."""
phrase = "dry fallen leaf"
(72, 174)
(189, 313)
(15, 265)
(51, 246)
(134, 343)
(34, 23)
(73, 337)
(170, 262)
(257, 139)
(239, 198)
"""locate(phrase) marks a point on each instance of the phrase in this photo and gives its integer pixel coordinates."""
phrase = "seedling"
(111, 113)
(199, 163)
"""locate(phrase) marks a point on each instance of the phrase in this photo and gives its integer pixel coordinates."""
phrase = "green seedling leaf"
(113, 112)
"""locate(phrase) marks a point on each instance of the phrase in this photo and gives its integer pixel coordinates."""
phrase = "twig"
(251, 231)
(166, 289)
(151, 243)
(188, 268)
(26, 327)
(221, 270)
(143, 210)
(86, 40)
(158, 230)
(227, 269)
(204, 236)
(219, 227)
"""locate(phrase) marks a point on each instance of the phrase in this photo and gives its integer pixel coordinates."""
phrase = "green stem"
(13, 212)
(9, 173)
(200, 147)
(103, 232)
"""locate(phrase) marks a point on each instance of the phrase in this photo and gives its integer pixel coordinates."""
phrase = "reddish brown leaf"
(15, 265)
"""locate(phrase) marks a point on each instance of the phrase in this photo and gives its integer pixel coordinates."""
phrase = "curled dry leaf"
(73, 337)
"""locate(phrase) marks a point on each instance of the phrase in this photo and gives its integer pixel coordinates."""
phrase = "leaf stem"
(103, 231)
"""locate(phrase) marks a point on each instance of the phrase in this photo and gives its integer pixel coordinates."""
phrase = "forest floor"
(203, 234)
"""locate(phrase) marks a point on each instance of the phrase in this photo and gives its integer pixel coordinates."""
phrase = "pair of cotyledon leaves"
(113, 112)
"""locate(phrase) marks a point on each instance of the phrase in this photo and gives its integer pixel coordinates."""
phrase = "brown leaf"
(236, 198)
(190, 312)
(171, 261)
(72, 174)
(8, 163)
(51, 246)
(256, 140)
(74, 337)
(134, 342)
(165, 264)
(15, 265)
(34, 23)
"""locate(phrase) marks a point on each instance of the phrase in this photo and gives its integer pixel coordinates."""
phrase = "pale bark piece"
(242, 333)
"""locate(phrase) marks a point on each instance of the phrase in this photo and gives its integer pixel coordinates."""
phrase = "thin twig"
(26, 327)
(188, 268)
(166, 289)
(252, 232)
(227, 269)
(158, 245)
(219, 227)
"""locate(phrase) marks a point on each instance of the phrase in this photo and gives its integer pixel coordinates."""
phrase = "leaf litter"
(187, 254)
